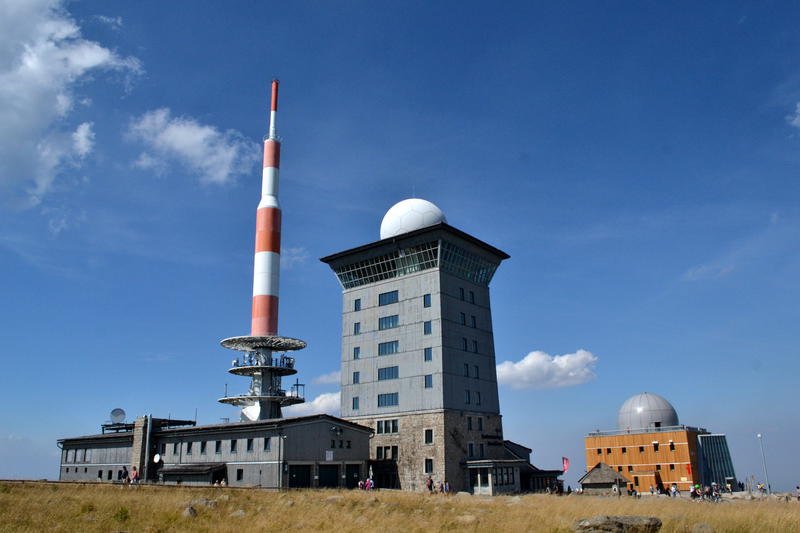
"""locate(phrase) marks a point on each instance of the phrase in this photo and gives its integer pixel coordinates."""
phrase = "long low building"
(310, 451)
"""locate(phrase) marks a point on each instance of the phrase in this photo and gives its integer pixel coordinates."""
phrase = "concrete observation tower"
(263, 354)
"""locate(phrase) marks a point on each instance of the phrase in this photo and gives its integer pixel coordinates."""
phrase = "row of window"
(469, 396)
(342, 444)
(462, 295)
(392, 399)
(503, 476)
(465, 345)
(389, 322)
(78, 456)
(391, 297)
(391, 372)
(233, 446)
(387, 348)
(658, 468)
(473, 320)
(479, 423)
(384, 400)
(387, 426)
(641, 448)
(386, 452)
(471, 450)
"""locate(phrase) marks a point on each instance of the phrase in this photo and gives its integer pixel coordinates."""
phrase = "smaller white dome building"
(646, 411)
(409, 215)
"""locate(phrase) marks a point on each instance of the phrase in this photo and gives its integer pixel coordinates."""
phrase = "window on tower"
(357, 304)
(428, 354)
(427, 328)
(356, 352)
(388, 322)
(387, 298)
(357, 328)
(426, 300)
(356, 378)
(428, 436)
(388, 372)
(388, 400)
(355, 403)
(428, 381)
(386, 348)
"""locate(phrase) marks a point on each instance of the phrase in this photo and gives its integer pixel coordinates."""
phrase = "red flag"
(564, 464)
(689, 468)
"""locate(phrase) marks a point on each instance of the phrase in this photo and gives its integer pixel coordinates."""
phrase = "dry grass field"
(53, 507)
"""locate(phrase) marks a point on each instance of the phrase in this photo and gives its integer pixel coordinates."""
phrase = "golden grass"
(53, 507)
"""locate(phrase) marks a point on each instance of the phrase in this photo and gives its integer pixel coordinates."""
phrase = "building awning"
(192, 469)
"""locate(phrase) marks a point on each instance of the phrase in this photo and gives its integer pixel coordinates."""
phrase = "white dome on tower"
(410, 215)
(646, 411)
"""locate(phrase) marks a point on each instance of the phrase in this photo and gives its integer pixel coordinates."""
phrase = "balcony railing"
(251, 361)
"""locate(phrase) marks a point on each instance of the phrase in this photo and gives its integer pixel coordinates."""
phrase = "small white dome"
(646, 411)
(410, 215)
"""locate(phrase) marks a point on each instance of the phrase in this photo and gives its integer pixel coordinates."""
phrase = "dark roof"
(271, 423)
(194, 468)
(122, 436)
(440, 226)
(239, 426)
(603, 474)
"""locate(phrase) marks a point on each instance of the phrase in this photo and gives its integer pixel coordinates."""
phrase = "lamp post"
(764, 461)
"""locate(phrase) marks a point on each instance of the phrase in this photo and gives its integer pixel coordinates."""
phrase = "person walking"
(134, 476)
(429, 484)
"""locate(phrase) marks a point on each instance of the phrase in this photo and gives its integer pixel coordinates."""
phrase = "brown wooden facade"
(646, 459)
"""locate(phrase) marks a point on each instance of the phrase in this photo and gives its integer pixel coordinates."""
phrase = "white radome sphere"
(410, 215)
(646, 411)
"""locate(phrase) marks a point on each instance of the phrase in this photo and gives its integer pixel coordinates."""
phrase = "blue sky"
(638, 161)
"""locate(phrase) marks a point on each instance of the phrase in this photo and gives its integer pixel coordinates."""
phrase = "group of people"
(707, 494)
(367, 484)
(440, 487)
(131, 477)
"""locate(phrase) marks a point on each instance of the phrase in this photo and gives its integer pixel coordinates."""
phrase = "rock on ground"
(466, 519)
(240, 512)
(618, 524)
(189, 512)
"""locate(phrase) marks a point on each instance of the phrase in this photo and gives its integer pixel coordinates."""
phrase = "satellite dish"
(117, 416)
(251, 412)
(157, 458)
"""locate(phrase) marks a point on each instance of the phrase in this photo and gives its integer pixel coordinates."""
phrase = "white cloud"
(710, 271)
(539, 370)
(215, 156)
(327, 403)
(794, 119)
(42, 59)
(329, 378)
(114, 22)
(293, 256)
(83, 139)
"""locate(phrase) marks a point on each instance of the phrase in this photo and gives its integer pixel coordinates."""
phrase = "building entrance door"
(352, 473)
(328, 476)
(299, 476)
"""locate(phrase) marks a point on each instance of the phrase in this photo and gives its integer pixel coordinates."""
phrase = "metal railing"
(632, 431)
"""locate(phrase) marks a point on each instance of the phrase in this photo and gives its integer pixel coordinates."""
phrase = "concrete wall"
(105, 455)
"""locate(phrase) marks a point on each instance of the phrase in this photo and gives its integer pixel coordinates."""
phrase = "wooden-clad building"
(651, 448)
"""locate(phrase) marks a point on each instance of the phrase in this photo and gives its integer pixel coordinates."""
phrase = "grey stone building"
(418, 362)
(310, 451)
